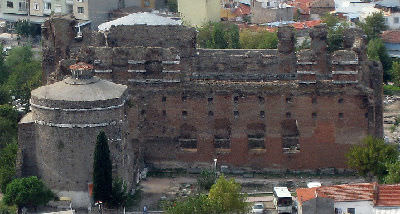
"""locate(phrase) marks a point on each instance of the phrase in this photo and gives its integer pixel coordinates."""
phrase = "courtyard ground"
(155, 189)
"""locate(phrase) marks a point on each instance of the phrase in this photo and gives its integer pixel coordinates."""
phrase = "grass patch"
(391, 90)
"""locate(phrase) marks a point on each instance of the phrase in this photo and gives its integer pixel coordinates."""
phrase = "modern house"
(47, 7)
(319, 8)
(391, 39)
(362, 198)
(20, 7)
(199, 12)
(391, 9)
(264, 11)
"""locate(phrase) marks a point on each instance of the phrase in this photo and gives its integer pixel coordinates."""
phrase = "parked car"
(257, 208)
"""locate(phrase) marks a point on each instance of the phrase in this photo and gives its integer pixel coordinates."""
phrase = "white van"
(283, 200)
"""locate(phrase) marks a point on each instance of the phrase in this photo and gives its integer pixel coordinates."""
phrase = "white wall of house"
(393, 21)
(387, 210)
(361, 207)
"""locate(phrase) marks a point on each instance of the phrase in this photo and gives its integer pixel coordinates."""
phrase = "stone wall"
(260, 109)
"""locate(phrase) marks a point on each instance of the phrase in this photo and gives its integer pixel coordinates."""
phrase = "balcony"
(69, 1)
(46, 11)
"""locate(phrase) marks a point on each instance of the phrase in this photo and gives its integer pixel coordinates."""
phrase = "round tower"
(66, 117)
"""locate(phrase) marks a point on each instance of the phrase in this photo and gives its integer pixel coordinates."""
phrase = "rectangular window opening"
(290, 136)
(187, 143)
(222, 142)
(255, 141)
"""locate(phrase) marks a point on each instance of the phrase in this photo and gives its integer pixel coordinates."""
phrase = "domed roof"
(95, 91)
(81, 86)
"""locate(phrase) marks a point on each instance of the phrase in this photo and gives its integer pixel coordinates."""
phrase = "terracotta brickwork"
(251, 109)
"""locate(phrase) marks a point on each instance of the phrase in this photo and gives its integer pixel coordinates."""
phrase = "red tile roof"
(306, 24)
(391, 36)
(242, 9)
(303, 6)
(348, 192)
(305, 194)
(388, 196)
(381, 195)
(81, 66)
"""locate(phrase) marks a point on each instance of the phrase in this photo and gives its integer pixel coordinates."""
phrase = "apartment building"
(20, 7)
(47, 7)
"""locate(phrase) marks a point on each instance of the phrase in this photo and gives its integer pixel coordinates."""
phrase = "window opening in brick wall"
(366, 115)
(164, 113)
(184, 97)
(290, 136)
(288, 115)
(340, 100)
(236, 99)
(164, 99)
(261, 99)
(314, 115)
(289, 100)
(184, 113)
(256, 136)
(222, 142)
(143, 112)
(210, 113)
(262, 114)
(188, 137)
(314, 100)
(222, 134)
(236, 114)
(210, 99)
(341, 115)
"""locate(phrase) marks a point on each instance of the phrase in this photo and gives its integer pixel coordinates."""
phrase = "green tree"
(218, 35)
(3, 70)
(393, 176)
(120, 196)
(206, 179)
(27, 192)
(4, 209)
(395, 73)
(25, 74)
(198, 204)
(8, 157)
(372, 157)
(336, 27)
(376, 50)
(25, 28)
(258, 39)
(102, 170)
(8, 125)
(226, 197)
(373, 25)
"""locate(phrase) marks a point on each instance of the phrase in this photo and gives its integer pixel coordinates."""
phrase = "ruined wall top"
(154, 52)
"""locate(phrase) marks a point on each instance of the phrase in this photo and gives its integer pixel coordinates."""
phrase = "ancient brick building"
(251, 109)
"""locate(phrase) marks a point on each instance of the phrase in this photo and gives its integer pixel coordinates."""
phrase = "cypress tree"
(102, 170)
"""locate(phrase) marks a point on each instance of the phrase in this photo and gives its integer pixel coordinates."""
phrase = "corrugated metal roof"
(389, 3)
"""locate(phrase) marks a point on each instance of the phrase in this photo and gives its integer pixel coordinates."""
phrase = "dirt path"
(155, 188)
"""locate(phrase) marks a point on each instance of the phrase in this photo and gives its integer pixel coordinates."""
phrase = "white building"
(391, 9)
(363, 198)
